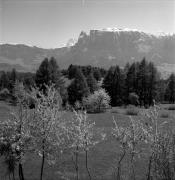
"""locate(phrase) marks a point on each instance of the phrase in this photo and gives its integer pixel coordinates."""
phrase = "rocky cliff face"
(105, 48)
(98, 48)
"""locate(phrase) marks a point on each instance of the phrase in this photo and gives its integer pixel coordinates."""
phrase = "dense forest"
(138, 83)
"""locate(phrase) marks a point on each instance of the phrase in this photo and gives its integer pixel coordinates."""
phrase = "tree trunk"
(149, 168)
(21, 175)
(77, 169)
(9, 177)
(19, 172)
(87, 165)
(119, 165)
(133, 171)
(43, 161)
(13, 175)
(132, 164)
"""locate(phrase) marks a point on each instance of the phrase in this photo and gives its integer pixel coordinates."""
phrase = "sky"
(51, 23)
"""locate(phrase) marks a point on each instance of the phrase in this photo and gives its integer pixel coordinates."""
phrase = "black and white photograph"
(87, 89)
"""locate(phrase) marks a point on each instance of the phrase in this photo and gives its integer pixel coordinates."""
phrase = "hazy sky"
(51, 23)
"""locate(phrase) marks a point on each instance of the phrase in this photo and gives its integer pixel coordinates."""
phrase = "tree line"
(138, 83)
(139, 80)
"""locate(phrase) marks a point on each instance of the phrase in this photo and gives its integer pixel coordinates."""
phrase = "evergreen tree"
(72, 71)
(4, 80)
(92, 83)
(170, 90)
(13, 78)
(161, 89)
(114, 85)
(108, 83)
(43, 74)
(86, 70)
(57, 79)
(152, 82)
(103, 72)
(78, 88)
(13, 75)
(126, 68)
(97, 74)
(55, 72)
(49, 73)
(29, 80)
(131, 80)
(118, 87)
(142, 77)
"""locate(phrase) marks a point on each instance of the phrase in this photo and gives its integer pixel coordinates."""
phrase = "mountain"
(25, 58)
(98, 48)
(108, 47)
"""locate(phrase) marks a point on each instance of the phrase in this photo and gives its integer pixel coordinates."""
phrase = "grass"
(164, 115)
(132, 111)
(4, 111)
(170, 107)
(102, 157)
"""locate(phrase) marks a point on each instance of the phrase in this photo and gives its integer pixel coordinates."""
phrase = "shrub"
(77, 105)
(4, 93)
(68, 107)
(115, 111)
(171, 107)
(132, 111)
(97, 102)
(133, 99)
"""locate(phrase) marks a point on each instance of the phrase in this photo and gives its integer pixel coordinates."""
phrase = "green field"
(102, 158)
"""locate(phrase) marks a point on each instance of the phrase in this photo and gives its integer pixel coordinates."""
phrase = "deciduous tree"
(97, 102)
(47, 125)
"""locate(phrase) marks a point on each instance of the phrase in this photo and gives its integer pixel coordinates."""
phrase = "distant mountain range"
(98, 48)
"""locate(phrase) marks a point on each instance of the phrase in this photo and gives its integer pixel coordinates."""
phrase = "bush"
(115, 111)
(171, 107)
(164, 115)
(77, 105)
(133, 99)
(97, 102)
(4, 93)
(132, 111)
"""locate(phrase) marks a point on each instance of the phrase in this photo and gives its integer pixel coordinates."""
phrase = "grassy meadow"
(102, 158)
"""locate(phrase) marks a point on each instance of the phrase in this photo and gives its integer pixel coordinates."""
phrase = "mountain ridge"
(102, 48)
